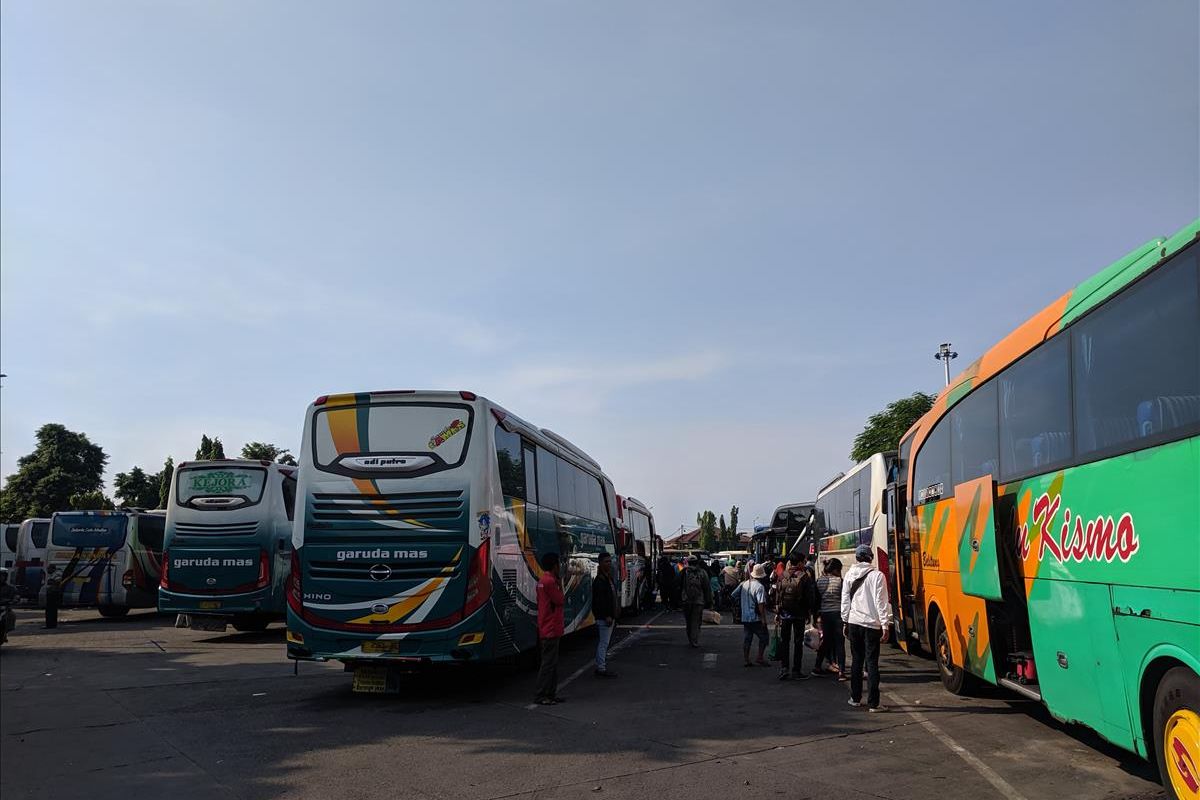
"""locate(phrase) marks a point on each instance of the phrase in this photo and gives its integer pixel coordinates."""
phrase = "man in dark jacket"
(797, 604)
(666, 581)
(697, 596)
(604, 609)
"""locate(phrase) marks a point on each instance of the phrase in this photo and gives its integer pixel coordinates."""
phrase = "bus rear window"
(244, 484)
(398, 438)
(10, 537)
(88, 530)
(39, 533)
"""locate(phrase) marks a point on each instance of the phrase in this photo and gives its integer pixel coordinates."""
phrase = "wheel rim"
(943, 653)
(1181, 743)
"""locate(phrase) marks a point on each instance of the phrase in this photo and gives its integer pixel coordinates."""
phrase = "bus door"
(902, 553)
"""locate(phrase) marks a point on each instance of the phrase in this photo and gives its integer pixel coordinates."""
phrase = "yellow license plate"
(381, 646)
(210, 603)
(371, 680)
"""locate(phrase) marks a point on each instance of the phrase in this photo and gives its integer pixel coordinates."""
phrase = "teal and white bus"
(851, 510)
(423, 516)
(107, 559)
(228, 543)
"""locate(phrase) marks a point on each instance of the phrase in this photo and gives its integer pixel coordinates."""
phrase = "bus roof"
(1054, 318)
(637, 505)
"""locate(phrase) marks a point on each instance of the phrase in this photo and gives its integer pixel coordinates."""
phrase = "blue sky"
(704, 241)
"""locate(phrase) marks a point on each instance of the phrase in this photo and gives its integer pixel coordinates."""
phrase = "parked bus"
(228, 543)
(1048, 512)
(31, 557)
(108, 559)
(850, 510)
(638, 554)
(788, 525)
(423, 517)
(8, 544)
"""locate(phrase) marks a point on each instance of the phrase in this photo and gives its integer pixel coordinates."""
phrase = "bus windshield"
(246, 483)
(89, 530)
(391, 437)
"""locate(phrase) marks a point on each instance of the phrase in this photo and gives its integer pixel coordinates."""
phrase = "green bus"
(1045, 520)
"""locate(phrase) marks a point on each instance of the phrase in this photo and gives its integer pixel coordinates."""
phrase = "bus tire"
(113, 611)
(955, 678)
(250, 624)
(1176, 731)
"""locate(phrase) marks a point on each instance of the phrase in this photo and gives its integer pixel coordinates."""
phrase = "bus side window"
(289, 496)
(547, 475)
(508, 458)
(531, 485)
(150, 528)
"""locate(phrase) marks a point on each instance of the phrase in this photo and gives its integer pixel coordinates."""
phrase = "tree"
(164, 482)
(90, 501)
(136, 488)
(733, 515)
(210, 449)
(63, 463)
(883, 430)
(722, 531)
(262, 451)
(707, 522)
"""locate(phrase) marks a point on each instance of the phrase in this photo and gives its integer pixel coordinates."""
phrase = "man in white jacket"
(868, 617)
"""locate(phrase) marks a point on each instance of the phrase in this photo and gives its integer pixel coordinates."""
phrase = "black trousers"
(694, 614)
(52, 604)
(833, 643)
(787, 641)
(547, 680)
(864, 652)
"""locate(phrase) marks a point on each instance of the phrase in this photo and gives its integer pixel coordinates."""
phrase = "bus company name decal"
(381, 553)
(1079, 539)
(219, 482)
(454, 427)
(178, 563)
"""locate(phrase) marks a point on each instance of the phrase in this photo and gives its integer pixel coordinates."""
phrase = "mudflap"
(375, 679)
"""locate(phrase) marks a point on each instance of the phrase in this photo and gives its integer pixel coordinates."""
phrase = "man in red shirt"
(550, 603)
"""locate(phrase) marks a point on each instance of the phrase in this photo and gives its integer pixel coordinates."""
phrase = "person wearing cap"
(697, 596)
(833, 643)
(868, 619)
(604, 609)
(752, 600)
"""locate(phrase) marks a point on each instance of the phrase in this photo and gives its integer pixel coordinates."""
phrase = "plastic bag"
(773, 650)
(711, 617)
(812, 638)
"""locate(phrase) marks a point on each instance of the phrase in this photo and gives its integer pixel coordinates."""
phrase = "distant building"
(691, 541)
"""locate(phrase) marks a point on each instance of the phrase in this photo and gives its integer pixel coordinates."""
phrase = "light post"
(945, 355)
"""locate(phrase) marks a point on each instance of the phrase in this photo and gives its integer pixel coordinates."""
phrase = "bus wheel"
(956, 679)
(113, 611)
(1177, 732)
(245, 624)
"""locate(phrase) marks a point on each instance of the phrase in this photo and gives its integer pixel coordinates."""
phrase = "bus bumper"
(472, 640)
(260, 601)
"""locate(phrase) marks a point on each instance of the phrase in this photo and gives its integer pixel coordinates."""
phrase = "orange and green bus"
(1046, 517)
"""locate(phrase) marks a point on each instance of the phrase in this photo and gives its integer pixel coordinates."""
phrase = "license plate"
(381, 646)
(371, 680)
(210, 603)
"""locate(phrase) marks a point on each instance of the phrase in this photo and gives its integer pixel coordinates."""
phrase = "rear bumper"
(476, 639)
(260, 601)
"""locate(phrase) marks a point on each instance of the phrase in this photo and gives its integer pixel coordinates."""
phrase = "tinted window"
(244, 482)
(599, 507)
(1035, 412)
(566, 487)
(39, 534)
(150, 529)
(90, 530)
(1137, 361)
(509, 461)
(974, 441)
(902, 459)
(583, 494)
(527, 455)
(932, 472)
(10, 537)
(289, 497)
(547, 475)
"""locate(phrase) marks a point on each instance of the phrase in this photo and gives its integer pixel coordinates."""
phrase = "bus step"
(1025, 690)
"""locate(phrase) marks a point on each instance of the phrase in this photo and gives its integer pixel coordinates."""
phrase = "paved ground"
(137, 708)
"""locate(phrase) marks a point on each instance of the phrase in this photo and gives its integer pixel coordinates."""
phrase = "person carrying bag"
(868, 616)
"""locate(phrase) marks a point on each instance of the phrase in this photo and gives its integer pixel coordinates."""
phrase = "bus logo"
(211, 581)
(379, 608)
(380, 572)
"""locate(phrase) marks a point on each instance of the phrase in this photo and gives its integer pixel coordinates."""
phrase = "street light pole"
(945, 355)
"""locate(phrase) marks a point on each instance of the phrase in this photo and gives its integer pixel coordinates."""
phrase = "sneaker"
(558, 698)
(604, 673)
(853, 702)
(544, 701)
(800, 676)
(784, 675)
(877, 709)
(843, 678)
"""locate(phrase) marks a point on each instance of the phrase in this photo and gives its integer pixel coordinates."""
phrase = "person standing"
(833, 643)
(550, 605)
(797, 605)
(751, 598)
(604, 609)
(53, 595)
(868, 619)
(697, 596)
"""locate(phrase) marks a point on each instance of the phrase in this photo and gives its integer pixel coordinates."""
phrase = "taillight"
(264, 569)
(293, 594)
(127, 579)
(163, 582)
(479, 584)
(320, 401)
(468, 396)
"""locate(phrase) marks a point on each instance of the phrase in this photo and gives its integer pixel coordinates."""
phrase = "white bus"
(851, 510)
(108, 559)
(638, 554)
(31, 556)
(8, 544)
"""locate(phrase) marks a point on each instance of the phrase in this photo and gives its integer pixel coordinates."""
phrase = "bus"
(228, 543)
(107, 559)
(422, 519)
(788, 525)
(850, 510)
(8, 544)
(1048, 512)
(31, 557)
(638, 554)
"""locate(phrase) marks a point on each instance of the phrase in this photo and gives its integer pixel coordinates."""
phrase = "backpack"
(798, 594)
(695, 580)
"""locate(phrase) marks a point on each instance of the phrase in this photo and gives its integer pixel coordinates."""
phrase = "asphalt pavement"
(135, 707)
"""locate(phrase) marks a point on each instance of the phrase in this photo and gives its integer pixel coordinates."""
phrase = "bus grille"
(401, 571)
(446, 505)
(216, 528)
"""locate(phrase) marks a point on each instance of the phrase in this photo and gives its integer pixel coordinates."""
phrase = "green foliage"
(883, 430)
(263, 451)
(164, 482)
(136, 488)
(210, 449)
(707, 522)
(90, 501)
(63, 463)
(733, 520)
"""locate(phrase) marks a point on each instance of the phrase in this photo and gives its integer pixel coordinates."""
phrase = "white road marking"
(1005, 788)
(638, 631)
(710, 660)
